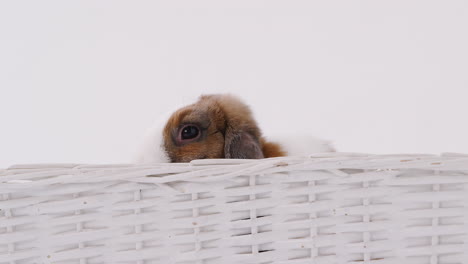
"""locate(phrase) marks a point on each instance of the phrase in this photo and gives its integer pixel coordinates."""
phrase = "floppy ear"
(241, 145)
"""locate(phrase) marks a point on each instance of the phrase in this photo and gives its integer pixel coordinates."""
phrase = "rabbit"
(217, 126)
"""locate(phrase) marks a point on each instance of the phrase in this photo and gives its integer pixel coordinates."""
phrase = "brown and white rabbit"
(217, 126)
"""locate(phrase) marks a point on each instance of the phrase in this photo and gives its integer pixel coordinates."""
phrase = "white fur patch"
(152, 149)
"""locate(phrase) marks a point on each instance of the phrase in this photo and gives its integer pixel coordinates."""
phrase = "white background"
(80, 81)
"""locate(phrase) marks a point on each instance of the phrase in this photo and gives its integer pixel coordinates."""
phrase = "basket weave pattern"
(337, 208)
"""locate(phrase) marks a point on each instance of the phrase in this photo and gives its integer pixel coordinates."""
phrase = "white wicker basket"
(340, 208)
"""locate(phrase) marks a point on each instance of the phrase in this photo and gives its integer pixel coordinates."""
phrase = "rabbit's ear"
(242, 137)
(241, 145)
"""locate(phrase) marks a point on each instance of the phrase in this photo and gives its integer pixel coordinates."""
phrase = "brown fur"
(228, 130)
(271, 149)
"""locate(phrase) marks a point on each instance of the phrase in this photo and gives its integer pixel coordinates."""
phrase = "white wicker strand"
(312, 215)
(366, 220)
(435, 221)
(196, 228)
(253, 215)
(79, 228)
(138, 227)
(464, 256)
(10, 228)
(339, 238)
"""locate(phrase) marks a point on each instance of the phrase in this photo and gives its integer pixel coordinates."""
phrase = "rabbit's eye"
(189, 132)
